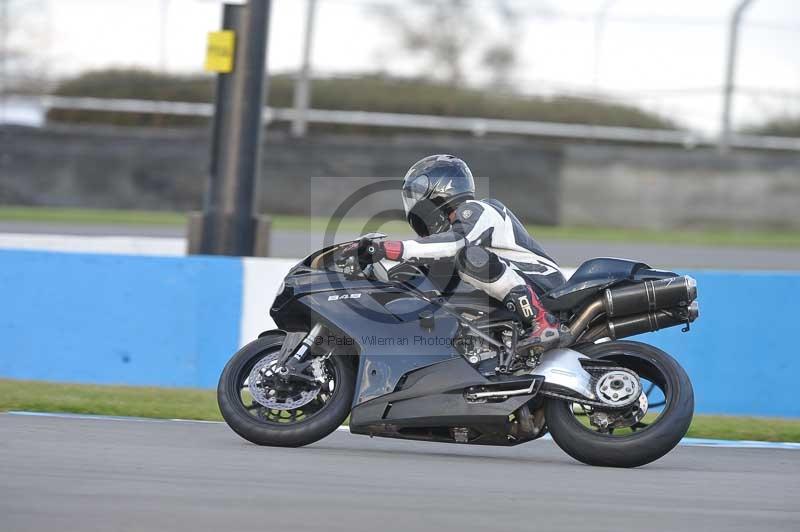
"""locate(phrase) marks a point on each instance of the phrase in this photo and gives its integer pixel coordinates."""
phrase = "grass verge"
(183, 403)
(90, 216)
(773, 239)
(163, 403)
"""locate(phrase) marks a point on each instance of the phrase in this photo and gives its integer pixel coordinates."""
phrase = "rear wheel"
(671, 400)
(266, 409)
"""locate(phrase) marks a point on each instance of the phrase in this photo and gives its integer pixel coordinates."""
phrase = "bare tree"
(447, 34)
(501, 56)
(23, 44)
(442, 31)
(500, 59)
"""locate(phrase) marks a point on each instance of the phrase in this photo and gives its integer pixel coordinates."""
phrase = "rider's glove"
(371, 251)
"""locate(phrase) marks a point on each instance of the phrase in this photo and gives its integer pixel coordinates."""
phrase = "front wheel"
(267, 410)
(671, 407)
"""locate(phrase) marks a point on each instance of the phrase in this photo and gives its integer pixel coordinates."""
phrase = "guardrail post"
(228, 225)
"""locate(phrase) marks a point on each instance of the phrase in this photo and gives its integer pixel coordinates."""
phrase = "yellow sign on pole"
(220, 51)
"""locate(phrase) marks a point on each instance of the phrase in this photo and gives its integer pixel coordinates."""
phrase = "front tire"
(640, 447)
(261, 431)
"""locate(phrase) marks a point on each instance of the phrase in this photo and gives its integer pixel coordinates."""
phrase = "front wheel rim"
(284, 416)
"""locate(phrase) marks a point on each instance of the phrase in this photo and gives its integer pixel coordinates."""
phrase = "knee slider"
(476, 262)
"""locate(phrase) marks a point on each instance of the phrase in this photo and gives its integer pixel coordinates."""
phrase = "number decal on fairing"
(344, 296)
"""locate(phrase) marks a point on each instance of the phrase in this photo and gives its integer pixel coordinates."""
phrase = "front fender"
(275, 332)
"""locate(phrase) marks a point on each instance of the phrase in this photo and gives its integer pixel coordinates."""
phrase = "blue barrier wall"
(743, 353)
(176, 321)
(118, 319)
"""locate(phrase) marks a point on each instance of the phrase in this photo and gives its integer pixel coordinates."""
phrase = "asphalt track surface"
(126, 475)
(570, 253)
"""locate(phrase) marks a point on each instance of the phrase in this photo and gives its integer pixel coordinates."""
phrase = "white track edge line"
(688, 442)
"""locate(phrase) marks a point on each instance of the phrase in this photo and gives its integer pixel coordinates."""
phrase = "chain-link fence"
(616, 63)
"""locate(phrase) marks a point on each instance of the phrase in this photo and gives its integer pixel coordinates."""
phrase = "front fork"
(291, 359)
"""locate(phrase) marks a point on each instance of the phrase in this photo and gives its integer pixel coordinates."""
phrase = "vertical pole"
(229, 226)
(730, 75)
(302, 91)
(5, 26)
(599, 27)
(162, 45)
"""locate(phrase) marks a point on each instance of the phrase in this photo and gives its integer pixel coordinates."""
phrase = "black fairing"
(431, 399)
(411, 379)
(382, 324)
(596, 275)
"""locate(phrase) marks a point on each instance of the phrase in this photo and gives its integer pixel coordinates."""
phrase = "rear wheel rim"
(656, 387)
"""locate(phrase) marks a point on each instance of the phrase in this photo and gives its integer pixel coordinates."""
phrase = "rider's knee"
(479, 263)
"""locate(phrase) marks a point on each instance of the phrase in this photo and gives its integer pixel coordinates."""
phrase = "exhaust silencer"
(650, 296)
(652, 321)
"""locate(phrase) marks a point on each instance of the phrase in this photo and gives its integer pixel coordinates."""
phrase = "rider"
(492, 250)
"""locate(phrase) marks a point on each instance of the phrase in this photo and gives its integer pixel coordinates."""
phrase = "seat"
(590, 278)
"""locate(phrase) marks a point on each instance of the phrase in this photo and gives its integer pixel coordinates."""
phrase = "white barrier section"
(261, 279)
(126, 245)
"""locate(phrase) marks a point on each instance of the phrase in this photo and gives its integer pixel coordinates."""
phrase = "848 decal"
(344, 296)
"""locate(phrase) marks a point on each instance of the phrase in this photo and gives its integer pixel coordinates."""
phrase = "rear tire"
(295, 434)
(638, 448)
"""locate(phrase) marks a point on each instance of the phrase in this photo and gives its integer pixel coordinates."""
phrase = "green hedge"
(365, 93)
(779, 127)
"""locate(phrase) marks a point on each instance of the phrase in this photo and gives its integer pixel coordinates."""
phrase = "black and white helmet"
(432, 188)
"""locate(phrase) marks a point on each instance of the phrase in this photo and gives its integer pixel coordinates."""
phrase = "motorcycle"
(407, 351)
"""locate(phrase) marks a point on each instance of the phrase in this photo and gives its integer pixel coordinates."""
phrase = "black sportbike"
(409, 352)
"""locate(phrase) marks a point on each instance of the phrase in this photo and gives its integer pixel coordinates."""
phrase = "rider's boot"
(542, 328)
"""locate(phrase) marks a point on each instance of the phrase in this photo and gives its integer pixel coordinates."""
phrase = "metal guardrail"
(476, 126)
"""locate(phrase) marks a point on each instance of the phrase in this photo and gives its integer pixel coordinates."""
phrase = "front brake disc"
(261, 385)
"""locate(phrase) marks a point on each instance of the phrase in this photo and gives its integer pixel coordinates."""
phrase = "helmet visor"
(413, 191)
(427, 219)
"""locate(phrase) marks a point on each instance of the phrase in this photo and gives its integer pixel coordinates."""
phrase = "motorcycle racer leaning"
(491, 249)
